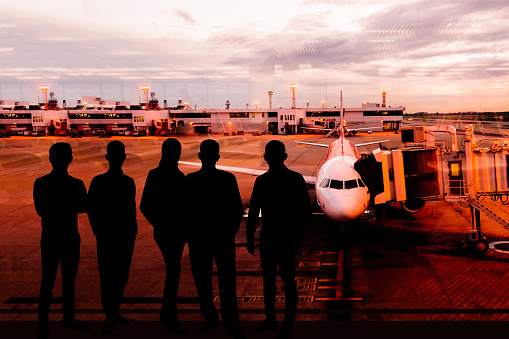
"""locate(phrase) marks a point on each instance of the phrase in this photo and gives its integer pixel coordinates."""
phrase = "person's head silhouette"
(209, 152)
(170, 151)
(115, 154)
(60, 156)
(275, 153)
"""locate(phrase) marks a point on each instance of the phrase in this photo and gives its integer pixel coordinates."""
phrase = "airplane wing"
(318, 128)
(348, 129)
(312, 144)
(255, 172)
(228, 168)
(371, 143)
(358, 145)
(362, 128)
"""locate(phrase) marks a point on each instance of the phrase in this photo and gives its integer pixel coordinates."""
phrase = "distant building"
(92, 116)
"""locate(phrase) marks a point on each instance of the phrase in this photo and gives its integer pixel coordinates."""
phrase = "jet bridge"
(426, 169)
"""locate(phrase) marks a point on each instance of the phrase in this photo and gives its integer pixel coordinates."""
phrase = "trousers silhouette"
(57, 249)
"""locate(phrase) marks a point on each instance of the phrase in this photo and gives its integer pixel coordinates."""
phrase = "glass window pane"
(324, 183)
(350, 184)
(336, 184)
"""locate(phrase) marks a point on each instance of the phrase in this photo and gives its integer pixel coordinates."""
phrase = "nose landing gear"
(478, 241)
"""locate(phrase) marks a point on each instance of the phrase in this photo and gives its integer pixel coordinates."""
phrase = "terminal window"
(382, 113)
(239, 115)
(455, 169)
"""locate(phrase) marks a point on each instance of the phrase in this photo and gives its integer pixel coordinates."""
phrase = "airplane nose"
(343, 208)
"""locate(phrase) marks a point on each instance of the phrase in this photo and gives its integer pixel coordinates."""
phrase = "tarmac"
(393, 272)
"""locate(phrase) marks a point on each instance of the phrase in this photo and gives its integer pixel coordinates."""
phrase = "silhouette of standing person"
(215, 195)
(112, 215)
(162, 205)
(282, 196)
(58, 198)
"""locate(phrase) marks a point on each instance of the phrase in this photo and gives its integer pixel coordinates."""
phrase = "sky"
(430, 55)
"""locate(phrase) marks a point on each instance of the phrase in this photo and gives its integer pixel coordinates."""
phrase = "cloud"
(186, 17)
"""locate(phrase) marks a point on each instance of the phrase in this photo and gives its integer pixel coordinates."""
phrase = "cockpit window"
(342, 185)
(350, 184)
(324, 183)
(336, 184)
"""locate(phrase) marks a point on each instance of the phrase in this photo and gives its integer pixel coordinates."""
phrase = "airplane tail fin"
(342, 127)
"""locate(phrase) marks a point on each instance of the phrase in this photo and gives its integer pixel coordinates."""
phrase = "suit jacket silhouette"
(162, 202)
(283, 198)
(58, 199)
(215, 205)
(112, 205)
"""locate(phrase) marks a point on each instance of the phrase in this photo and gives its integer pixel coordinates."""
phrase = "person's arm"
(147, 199)
(304, 209)
(252, 218)
(92, 209)
(40, 203)
(132, 207)
(81, 206)
(237, 207)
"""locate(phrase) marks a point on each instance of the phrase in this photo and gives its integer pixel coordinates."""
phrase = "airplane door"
(455, 178)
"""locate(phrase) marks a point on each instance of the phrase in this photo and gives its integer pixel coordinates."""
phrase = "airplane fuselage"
(340, 191)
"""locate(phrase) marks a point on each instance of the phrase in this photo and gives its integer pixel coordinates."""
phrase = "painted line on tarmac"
(318, 252)
(261, 299)
(313, 264)
(299, 311)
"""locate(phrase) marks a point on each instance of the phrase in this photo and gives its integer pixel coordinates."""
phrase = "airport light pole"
(384, 93)
(145, 89)
(44, 89)
(293, 87)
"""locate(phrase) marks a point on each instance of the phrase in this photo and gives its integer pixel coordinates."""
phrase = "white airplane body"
(340, 191)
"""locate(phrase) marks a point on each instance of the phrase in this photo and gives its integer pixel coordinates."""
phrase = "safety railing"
(458, 190)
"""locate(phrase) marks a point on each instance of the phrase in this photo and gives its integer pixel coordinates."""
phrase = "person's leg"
(172, 255)
(226, 274)
(123, 259)
(201, 267)
(107, 273)
(70, 263)
(172, 280)
(163, 245)
(269, 267)
(50, 260)
(287, 270)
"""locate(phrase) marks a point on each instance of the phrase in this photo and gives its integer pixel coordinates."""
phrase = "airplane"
(341, 194)
(346, 129)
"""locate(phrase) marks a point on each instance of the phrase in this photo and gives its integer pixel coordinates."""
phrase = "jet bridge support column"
(476, 237)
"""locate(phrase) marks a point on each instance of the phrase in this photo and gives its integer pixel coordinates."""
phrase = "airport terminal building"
(94, 116)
